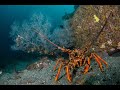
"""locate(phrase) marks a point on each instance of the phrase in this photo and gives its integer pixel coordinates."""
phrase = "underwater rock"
(67, 16)
(88, 21)
(42, 63)
(70, 15)
(76, 6)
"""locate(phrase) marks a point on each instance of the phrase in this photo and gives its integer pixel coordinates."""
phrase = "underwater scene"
(60, 44)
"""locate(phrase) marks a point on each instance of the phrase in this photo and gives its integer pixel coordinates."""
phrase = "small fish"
(96, 18)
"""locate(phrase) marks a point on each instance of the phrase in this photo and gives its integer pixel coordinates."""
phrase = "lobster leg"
(57, 64)
(58, 73)
(98, 61)
(84, 61)
(81, 62)
(68, 74)
(87, 66)
(101, 59)
(76, 62)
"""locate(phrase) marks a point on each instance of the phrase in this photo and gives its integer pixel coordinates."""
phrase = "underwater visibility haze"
(59, 45)
(11, 13)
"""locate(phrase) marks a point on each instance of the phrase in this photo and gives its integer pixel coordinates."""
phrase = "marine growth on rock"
(87, 22)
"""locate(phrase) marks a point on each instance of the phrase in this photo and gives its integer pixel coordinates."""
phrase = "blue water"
(10, 13)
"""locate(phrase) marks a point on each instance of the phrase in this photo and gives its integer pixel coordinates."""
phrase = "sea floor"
(41, 73)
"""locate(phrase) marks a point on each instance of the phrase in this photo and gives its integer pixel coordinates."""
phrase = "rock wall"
(88, 21)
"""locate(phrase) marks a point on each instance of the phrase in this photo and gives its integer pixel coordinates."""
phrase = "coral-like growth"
(63, 36)
(26, 39)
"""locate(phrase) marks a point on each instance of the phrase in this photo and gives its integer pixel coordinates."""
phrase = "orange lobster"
(77, 57)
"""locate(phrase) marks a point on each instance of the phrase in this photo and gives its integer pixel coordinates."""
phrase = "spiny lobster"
(77, 57)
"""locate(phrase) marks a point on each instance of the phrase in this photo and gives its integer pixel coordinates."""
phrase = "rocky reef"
(94, 26)
(99, 25)
(70, 15)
